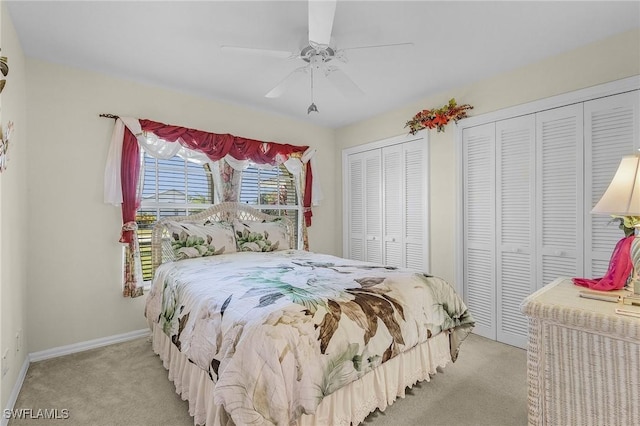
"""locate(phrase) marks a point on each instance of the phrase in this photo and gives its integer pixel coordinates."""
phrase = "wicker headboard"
(161, 247)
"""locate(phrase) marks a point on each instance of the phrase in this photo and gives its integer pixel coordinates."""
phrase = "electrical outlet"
(18, 340)
(5, 362)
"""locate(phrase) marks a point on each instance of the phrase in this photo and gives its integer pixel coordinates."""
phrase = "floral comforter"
(278, 331)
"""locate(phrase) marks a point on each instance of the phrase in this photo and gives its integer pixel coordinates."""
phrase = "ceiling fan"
(318, 54)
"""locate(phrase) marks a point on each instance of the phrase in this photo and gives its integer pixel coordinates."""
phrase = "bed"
(255, 332)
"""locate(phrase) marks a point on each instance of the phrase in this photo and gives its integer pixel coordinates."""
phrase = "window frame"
(186, 208)
(265, 208)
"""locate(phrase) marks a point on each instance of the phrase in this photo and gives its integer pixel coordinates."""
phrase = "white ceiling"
(176, 44)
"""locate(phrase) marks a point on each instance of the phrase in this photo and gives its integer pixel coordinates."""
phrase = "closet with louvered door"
(386, 199)
(393, 220)
(479, 224)
(355, 207)
(612, 127)
(559, 194)
(529, 184)
(373, 205)
(515, 230)
(414, 206)
(364, 206)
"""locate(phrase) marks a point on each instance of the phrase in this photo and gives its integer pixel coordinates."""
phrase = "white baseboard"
(65, 350)
(85, 346)
(16, 390)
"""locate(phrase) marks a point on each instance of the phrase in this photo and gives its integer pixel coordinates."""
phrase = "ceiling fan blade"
(286, 82)
(321, 13)
(376, 46)
(259, 52)
(343, 83)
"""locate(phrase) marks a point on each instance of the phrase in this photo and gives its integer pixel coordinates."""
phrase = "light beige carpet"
(126, 384)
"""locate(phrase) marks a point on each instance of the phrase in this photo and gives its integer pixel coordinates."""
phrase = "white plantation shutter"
(175, 181)
(515, 198)
(268, 187)
(271, 190)
(415, 237)
(393, 206)
(611, 125)
(373, 206)
(559, 188)
(478, 151)
(250, 186)
(169, 187)
(356, 207)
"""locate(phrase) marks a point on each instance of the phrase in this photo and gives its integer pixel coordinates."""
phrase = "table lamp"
(622, 198)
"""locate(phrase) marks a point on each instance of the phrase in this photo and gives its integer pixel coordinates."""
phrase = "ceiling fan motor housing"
(316, 56)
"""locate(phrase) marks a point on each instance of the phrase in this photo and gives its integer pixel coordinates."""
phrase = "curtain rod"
(115, 117)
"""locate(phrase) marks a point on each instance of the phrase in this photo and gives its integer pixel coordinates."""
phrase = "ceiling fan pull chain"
(312, 107)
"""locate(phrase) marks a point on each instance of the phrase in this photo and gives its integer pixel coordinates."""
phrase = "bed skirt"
(349, 405)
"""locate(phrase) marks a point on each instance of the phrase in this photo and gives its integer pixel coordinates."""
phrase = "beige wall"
(51, 207)
(74, 287)
(3, 398)
(611, 59)
(13, 212)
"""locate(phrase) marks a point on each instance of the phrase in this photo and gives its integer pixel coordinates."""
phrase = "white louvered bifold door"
(611, 132)
(478, 163)
(356, 206)
(373, 205)
(415, 206)
(386, 204)
(392, 170)
(559, 193)
(515, 198)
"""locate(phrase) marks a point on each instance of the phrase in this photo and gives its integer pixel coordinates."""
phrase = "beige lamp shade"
(622, 197)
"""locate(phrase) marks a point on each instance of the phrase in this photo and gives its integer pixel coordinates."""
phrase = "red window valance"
(215, 146)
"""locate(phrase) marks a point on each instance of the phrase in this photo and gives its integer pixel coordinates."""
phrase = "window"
(173, 187)
(176, 187)
(273, 192)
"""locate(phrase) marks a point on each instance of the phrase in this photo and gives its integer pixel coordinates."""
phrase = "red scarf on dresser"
(620, 267)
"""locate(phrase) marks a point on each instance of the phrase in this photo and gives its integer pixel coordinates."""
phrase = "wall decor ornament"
(437, 118)
(6, 133)
(4, 69)
(4, 144)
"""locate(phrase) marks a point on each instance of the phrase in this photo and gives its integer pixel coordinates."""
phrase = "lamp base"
(633, 284)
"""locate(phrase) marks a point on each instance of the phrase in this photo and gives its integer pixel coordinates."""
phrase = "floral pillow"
(261, 236)
(189, 239)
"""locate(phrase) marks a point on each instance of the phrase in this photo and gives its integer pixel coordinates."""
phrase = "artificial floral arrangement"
(626, 223)
(437, 118)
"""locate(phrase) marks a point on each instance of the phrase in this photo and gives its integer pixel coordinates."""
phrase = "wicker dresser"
(583, 359)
